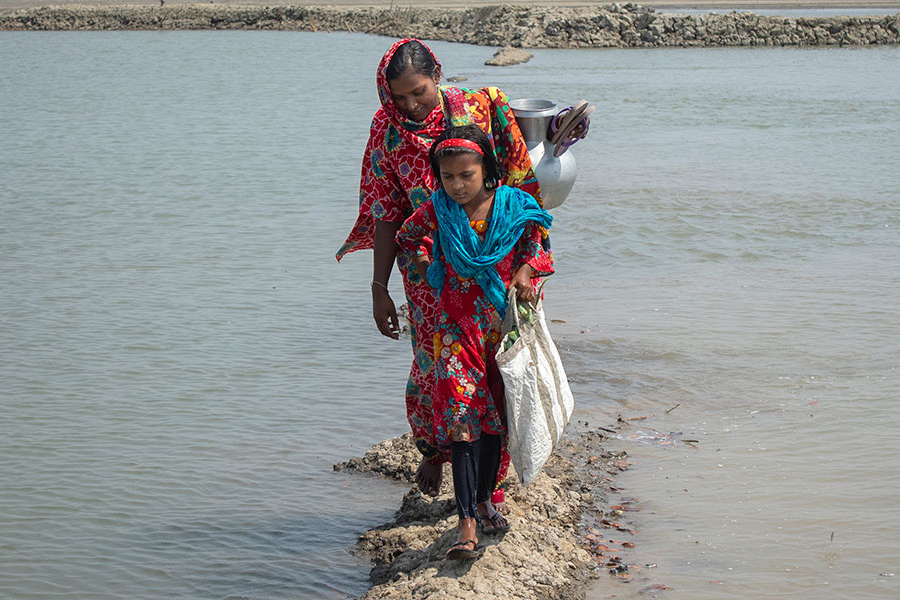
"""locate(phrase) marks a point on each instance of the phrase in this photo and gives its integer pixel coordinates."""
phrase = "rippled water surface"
(182, 361)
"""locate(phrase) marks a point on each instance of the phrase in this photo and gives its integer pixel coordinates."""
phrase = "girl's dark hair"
(411, 55)
(492, 170)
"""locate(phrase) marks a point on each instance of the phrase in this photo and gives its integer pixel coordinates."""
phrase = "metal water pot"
(556, 175)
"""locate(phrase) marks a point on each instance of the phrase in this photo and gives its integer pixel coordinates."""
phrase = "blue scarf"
(457, 243)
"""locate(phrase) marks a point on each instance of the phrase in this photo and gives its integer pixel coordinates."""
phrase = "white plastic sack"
(539, 402)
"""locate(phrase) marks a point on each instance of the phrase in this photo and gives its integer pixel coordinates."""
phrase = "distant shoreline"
(523, 26)
(659, 5)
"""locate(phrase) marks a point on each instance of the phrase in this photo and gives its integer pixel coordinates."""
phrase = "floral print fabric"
(468, 394)
(396, 179)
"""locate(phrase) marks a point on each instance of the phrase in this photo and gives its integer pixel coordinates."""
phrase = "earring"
(489, 185)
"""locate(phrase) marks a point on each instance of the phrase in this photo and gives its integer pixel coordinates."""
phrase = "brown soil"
(525, 26)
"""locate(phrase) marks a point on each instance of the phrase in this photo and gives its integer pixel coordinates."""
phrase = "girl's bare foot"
(428, 477)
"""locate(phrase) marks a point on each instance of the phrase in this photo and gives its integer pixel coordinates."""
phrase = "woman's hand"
(422, 262)
(522, 281)
(384, 312)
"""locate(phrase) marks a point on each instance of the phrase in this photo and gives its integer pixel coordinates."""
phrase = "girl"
(396, 179)
(485, 238)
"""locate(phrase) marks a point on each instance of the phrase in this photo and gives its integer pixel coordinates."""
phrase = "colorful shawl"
(458, 243)
(396, 177)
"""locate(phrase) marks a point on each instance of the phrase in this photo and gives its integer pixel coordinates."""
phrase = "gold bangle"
(374, 283)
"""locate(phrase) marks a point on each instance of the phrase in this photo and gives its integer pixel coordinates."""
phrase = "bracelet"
(374, 283)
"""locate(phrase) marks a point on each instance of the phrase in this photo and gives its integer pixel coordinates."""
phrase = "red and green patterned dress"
(396, 179)
(468, 395)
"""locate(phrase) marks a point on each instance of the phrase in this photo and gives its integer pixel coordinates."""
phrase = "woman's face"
(415, 94)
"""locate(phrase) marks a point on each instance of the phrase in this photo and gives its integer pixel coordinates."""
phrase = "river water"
(182, 361)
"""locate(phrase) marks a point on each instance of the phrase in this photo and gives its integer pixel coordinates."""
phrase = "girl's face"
(462, 176)
(415, 94)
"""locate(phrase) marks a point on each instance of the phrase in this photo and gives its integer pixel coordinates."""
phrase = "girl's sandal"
(493, 523)
(466, 550)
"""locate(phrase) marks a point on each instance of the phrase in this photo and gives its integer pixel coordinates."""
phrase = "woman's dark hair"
(411, 55)
(492, 170)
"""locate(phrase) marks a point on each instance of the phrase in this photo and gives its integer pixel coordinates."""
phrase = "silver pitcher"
(556, 176)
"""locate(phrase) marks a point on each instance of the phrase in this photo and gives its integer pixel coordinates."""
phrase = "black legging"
(475, 467)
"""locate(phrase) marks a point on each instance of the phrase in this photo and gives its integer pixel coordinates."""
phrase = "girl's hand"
(384, 313)
(422, 262)
(522, 281)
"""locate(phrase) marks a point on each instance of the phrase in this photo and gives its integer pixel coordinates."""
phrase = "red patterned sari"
(396, 179)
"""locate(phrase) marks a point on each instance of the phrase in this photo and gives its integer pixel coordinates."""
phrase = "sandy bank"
(602, 26)
(556, 545)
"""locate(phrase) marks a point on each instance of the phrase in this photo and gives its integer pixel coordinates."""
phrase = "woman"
(396, 179)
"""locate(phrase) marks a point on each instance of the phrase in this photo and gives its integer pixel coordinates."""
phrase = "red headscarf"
(396, 176)
(414, 132)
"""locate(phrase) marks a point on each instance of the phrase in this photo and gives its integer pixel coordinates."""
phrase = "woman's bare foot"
(498, 500)
(428, 477)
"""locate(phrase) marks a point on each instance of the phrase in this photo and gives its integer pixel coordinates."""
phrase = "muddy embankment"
(602, 26)
(566, 530)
